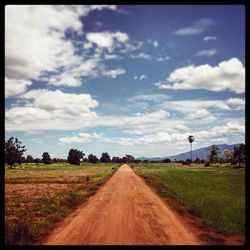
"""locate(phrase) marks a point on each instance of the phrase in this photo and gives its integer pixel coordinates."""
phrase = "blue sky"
(126, 79)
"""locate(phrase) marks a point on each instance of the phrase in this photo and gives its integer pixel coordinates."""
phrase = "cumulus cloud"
(106, 39)
(111, 56)
(51, 110)
(228, 75)
(73, 104)
(216, 132)
(210, 38)
(207, 53)
(14, 87)
(113, 73)
(81, 138)
(198, 27)
(191, 106)
(35, 42)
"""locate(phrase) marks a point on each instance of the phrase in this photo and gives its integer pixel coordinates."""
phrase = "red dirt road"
(124, 211)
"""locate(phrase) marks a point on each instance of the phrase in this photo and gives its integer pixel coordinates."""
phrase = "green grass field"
(37, 196)
(216, 194)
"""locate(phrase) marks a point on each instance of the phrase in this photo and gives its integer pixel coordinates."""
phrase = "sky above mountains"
(126, 79)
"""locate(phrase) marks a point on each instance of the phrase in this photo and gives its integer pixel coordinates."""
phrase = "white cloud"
(35, 43)
(154, 43)
(207, 53)
(236, 103)
(15, 87)
(106, 39)
(57, 100)
(87, 45)
(198, 27)
(113, 73)
(154, 97)
(160, 137)
(34, 38)
(111, 57)
(141, 55)
(140, 77)
(100, 7)
(51, 110)
(196, 105)
(162, 59)
(221, 131)
(228, 75)
(210, 38)
(81, 138)
(133, 120)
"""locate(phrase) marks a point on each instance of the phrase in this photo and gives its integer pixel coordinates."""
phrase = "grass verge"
(215, 194)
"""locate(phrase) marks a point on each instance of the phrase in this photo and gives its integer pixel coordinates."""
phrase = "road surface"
(124, 211)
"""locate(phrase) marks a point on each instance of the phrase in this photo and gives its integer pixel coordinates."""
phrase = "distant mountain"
(201, 153)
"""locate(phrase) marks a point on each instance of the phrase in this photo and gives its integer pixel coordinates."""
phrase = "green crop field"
(37, 196)
(216, 194)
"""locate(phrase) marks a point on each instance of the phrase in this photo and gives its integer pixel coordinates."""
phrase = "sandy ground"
(124, 211)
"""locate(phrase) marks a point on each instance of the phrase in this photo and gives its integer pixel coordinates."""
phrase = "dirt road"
(124, 211)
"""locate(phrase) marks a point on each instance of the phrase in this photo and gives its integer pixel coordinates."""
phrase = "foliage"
(37, 160)
(190, 138)
(239, 155)
(166, 160)
(59, 160)
(29, 159)
(92, 158)
(105, 158)
(117, 159)
(75, 156)
(187, 162)
(227, 156)
(13, 151)
(198, 160)
(206, 164)
(128, 159)
(46, 158)
(213, 155)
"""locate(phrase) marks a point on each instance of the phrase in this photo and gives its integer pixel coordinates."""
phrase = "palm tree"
(191, 139)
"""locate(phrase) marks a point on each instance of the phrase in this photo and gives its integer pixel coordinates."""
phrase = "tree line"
(14, 155)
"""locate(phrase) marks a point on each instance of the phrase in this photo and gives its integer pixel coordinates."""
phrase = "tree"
(92, 158)
(46, 158)
(75, 156)
(116, 159)
(166, 160)
(128, 159)
(23, 160)
(29, 159)
(191, 139)
(37, 160)
(213, 155)
(239, 155)
(105, 158)
(227, 155)
(13, 151)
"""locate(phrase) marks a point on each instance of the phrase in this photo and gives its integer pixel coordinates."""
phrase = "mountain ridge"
(200, 153)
